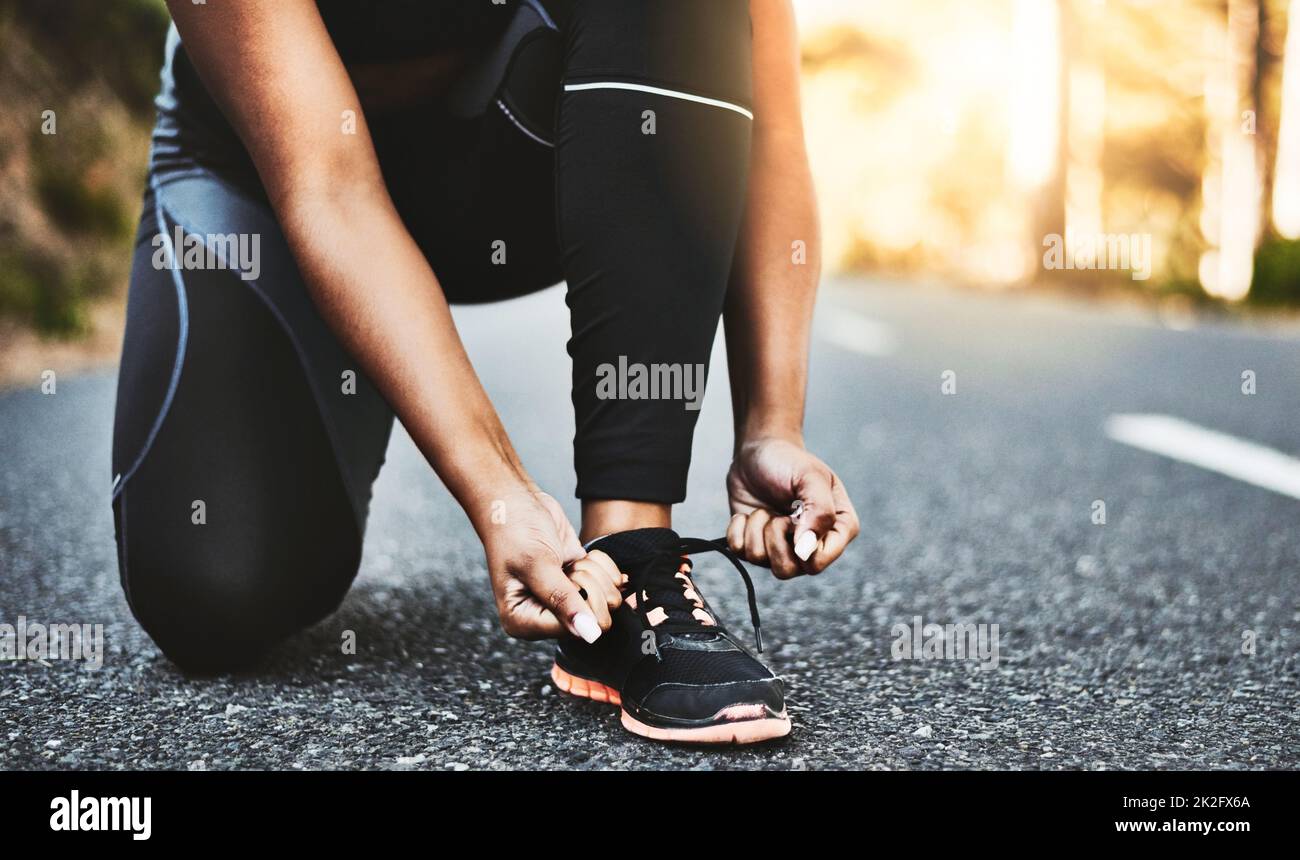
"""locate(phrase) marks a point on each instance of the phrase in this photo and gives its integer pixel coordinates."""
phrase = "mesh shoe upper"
(670, 657)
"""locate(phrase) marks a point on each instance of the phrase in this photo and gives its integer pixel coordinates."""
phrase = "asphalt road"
(1120, 644)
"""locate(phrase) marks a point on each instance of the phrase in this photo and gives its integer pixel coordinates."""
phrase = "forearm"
(778, 252)
(377, 292)
(770, 299)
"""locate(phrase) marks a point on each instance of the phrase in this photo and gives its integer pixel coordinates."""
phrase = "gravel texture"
(1121, 645)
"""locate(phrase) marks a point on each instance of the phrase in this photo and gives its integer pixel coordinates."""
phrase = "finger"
(818, 512)
(601, 587)
(524, 618)
(780, 552)
(616, 576)
(830, 548)
(594, 584)
(842, 533)
(755, 547)
(558, 594)
(736, 533)
(844, 504)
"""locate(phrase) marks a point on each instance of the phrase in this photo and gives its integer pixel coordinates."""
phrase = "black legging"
(234, 399)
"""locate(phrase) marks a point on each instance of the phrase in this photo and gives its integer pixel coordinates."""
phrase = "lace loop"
(692, 546)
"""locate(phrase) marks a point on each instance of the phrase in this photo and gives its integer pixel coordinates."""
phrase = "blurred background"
(952, 140)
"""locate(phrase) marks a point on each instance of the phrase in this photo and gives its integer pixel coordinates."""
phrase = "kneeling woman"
(390, 158)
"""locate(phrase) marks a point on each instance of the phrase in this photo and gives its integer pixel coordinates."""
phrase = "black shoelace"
(662, 594)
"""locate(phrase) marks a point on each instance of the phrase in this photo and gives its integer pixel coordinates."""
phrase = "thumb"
(570, 547)
(817, 513)
(554, 590)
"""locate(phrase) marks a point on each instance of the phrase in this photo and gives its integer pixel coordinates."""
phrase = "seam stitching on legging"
(519, 125)
(304, 364)
(345, 473)
(182, 339)
(661, 91)
(542, 13)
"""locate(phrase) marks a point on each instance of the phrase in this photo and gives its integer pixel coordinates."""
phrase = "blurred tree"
(118, 42)
(76, 79)
(1286, 170)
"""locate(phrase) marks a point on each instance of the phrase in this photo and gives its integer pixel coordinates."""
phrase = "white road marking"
(1218, 452)
(856, 333)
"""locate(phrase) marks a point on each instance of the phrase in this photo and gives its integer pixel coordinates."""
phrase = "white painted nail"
(586, 625)
(805, 545)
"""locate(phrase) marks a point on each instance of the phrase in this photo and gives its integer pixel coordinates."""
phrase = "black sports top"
(190, 125)
(384, 30)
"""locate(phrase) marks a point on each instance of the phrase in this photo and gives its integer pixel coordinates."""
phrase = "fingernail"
(805, 545)
(588, 629)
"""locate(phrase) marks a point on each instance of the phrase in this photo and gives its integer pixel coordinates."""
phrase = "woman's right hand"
(537, 566)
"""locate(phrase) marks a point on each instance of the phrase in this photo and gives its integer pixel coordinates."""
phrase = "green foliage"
(70, 176)
(78, 207)
(65, 232)
(1277, 273)
(37, 289)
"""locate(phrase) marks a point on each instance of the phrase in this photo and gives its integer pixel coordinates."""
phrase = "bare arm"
(274, 69)
(770, 298)
(768, 318)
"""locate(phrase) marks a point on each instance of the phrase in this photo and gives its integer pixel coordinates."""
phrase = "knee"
(209, 616)
(203, 619)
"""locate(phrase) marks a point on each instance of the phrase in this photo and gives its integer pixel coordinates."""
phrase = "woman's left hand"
(766, 478)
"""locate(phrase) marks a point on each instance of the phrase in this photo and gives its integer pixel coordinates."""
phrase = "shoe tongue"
(640, 554)
(628, 549)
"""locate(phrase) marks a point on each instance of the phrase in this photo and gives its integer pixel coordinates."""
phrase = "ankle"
(601, 517)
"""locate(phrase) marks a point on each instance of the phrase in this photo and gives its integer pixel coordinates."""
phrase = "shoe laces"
(664, 583)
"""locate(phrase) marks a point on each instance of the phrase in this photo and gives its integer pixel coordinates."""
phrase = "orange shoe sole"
(744, 726)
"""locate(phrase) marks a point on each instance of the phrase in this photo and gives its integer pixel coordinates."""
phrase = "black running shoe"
(667, 660)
